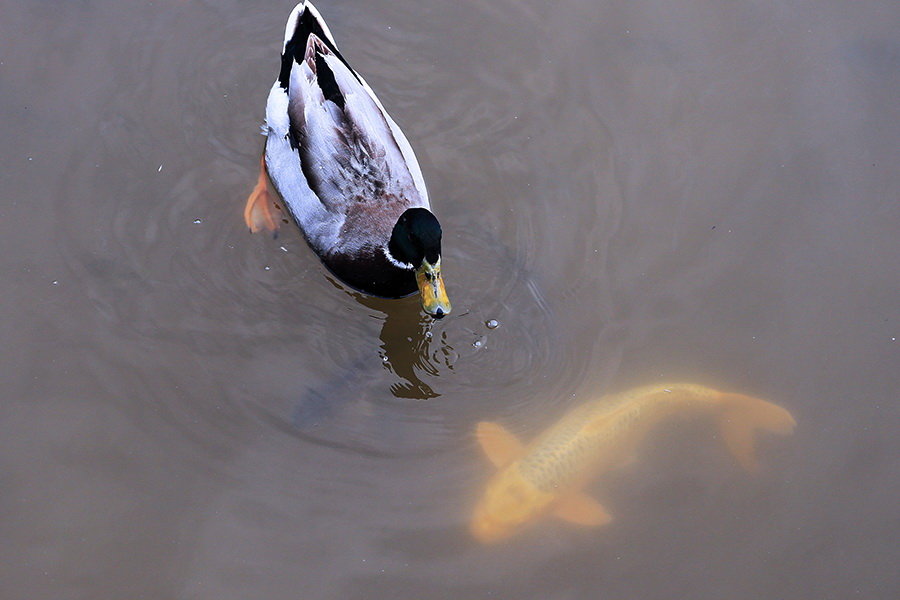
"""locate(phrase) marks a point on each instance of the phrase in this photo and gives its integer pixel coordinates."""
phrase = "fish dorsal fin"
(499, 445)
(582, 510)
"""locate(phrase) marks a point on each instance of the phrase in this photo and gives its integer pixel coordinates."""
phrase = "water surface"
(637, 191)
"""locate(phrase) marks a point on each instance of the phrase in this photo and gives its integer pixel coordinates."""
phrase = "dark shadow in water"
(406, 336)
(363, 406)
(322, 402)
(355, 405)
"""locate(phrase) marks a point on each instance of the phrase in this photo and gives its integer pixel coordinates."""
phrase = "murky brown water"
(637, 191)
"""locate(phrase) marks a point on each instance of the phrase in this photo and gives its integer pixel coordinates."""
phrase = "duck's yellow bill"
(431, 286)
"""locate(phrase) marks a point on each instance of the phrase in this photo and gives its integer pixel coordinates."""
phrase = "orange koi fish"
(547, 476)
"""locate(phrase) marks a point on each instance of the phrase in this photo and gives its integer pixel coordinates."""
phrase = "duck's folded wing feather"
(346, 147)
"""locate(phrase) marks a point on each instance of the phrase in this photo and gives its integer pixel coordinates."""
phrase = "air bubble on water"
(492, 324)
(384, 359)
(428, 335)
(267, 268)
(197, 221)
(478, 343)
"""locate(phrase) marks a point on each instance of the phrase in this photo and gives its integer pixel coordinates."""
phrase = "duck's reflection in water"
(407, 336)
(408, 345)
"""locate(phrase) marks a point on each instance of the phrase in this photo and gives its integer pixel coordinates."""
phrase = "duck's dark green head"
(416, 245)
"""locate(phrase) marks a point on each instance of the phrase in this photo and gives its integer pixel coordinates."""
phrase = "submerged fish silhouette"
(547, 476)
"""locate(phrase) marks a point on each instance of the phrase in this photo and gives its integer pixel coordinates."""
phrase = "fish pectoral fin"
(499, 445)
(582, 510)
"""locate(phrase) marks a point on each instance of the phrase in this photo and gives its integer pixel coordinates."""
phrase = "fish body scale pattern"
(566, 451)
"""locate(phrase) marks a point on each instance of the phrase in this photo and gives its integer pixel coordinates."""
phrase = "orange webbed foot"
(258, 211)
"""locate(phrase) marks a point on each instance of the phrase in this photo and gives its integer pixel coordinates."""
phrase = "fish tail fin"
(742, 417)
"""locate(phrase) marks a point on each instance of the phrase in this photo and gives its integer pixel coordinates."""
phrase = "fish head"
(508, 503)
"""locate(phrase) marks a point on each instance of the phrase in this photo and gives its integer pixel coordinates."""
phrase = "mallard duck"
(346, 172)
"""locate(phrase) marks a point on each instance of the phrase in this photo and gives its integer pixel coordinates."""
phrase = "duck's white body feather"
(342, 165)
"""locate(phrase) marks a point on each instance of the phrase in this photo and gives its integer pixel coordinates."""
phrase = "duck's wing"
(349, 149)
(306, 18)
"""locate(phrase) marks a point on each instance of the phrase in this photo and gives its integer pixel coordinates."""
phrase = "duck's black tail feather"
(305, 21)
